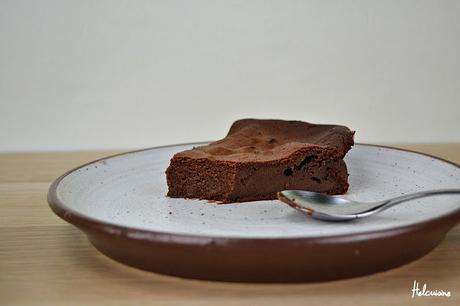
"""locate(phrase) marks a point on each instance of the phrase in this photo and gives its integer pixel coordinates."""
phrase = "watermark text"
(424, 291)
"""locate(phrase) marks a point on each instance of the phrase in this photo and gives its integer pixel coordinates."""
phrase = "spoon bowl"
(334, 208)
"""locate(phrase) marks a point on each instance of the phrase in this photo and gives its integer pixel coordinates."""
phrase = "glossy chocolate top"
(262, 140)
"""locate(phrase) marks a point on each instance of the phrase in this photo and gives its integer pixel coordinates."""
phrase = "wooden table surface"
(46, 261)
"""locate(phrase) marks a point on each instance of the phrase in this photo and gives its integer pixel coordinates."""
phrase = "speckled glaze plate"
(120, 203)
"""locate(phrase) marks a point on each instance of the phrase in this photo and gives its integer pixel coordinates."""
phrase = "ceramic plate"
(120, 203)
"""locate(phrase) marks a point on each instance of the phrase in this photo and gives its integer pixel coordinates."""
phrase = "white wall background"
(131, 74)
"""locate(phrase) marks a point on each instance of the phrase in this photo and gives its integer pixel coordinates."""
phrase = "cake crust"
(260, 157)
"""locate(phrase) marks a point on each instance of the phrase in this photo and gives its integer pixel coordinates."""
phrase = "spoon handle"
(408, 197)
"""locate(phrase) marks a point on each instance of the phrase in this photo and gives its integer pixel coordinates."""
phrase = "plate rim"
(85, 222)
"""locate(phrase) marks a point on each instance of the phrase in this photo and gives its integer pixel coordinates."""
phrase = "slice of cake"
(258, 158)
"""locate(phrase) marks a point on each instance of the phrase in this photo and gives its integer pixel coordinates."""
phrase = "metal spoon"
(333, 208)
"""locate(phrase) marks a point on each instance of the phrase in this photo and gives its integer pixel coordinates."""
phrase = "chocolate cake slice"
(258, 158)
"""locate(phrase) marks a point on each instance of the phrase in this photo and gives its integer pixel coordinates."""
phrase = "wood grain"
(45, 261)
